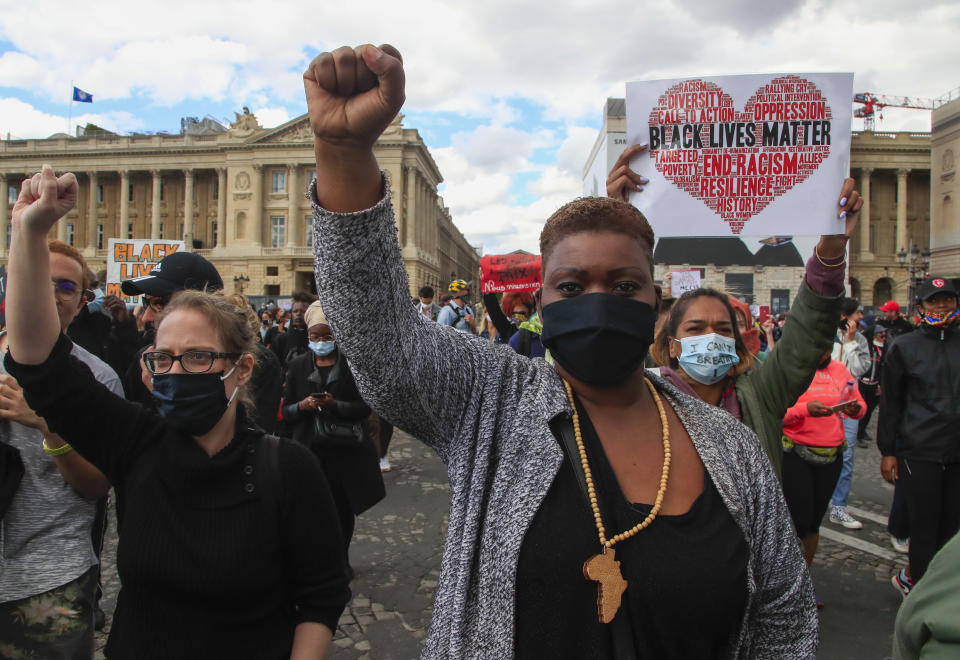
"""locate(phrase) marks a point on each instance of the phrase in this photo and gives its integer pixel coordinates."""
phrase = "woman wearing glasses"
(213, 544)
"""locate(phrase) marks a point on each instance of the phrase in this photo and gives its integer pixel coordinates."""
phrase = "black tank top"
(686, 574)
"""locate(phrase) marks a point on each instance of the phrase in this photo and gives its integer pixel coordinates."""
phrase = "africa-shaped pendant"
(605, 571)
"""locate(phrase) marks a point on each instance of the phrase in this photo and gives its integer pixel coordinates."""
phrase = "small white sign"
(682, 281)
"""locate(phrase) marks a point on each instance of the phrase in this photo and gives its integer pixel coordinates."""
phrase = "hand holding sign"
(44, 199)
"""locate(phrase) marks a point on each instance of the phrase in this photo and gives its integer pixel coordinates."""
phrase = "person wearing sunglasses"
(214, 545)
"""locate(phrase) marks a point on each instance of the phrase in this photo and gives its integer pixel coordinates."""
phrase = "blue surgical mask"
(322, 348)
(96, 305)
(708, 358)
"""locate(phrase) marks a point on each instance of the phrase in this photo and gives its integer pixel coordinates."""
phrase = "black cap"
(934, 285)
(180, 270)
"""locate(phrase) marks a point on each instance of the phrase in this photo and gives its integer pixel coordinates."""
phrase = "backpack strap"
(524, 342)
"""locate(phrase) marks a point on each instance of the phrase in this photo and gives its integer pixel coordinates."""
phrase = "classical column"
(188, 209)
(294, 220)
(256, 213)
(155, 206)
(124, 204)
(92, 213)
(4, 212)
(902, 209)
(865, 253)
(221, 207)
(409, 221)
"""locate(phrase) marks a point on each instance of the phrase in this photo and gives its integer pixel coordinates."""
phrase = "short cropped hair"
(59, 247)
(595, 214)
(303, 297)
(426, 292)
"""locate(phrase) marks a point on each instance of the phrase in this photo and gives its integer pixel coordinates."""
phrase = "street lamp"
(239, 281)
(916, 263)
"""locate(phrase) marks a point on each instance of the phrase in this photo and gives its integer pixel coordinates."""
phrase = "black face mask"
(192, 403)
(599, 338)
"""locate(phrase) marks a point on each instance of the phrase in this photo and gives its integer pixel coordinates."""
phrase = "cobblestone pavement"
(397, 546)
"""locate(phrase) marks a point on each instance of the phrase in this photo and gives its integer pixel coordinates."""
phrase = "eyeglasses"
(157, 304)
(65, 289)
(193, 362)
(327, 337)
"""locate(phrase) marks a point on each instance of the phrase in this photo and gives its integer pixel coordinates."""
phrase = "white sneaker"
(900, 545)
(385, 464)
(839, 516)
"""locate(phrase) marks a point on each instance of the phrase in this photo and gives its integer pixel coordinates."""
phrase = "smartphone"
(841, 406)
(318, 395)
(763, 318)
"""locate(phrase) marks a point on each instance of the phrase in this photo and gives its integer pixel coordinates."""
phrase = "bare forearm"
(32, 322)
(348, 179)
(311, 641)
(83, 477)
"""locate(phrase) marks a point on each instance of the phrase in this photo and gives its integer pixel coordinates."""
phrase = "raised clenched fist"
(44, 199)
(353, 94)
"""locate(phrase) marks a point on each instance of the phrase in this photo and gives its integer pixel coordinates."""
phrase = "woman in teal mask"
(592, 507)
(327, 415)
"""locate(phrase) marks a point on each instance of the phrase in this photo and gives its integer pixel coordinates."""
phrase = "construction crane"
(873, 105)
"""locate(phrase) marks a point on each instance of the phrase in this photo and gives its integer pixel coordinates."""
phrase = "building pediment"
(296, 130)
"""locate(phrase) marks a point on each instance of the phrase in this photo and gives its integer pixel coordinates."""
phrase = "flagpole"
(70, 114)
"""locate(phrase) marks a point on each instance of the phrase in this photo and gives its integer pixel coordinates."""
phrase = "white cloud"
(22, 120)
(271, 117)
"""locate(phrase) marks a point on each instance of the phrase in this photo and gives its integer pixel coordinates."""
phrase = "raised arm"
(426, 378)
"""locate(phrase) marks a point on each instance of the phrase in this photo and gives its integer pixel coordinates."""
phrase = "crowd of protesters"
(662, 448)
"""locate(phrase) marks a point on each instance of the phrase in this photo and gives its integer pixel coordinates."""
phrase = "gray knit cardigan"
(485, 411)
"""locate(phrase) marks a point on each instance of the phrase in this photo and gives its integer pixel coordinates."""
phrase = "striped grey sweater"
(485, 411)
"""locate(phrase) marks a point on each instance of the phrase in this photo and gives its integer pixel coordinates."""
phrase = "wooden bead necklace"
(603, 568)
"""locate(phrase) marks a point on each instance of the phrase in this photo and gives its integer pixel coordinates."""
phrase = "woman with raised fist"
(230, 545)
(595, 512)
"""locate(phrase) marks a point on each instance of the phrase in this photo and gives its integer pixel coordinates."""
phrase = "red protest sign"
(510, 272)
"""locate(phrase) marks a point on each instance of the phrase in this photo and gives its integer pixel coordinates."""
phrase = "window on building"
(130, 192)
(273, 271)
(69, 234)
(779, 301)
(180, 236)
(99, 237)
(216, 188)
(130, 230)
(874, 230)
(8, 238)
(279, 181)
(213, 231)
(161, 230)
(161, 191)
(271, 290)
(308, 234)
(12, 193)
(278, 233)
(99, 193)
(739, 285)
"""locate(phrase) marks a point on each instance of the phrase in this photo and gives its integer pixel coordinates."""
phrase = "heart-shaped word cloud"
(738, 161)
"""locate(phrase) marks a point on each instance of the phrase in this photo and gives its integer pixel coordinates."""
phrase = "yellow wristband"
(59, 451)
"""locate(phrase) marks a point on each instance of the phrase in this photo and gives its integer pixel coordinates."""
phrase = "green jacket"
(775, 384)
(928, 624)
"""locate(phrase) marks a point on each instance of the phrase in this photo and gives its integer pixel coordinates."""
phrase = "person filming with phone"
(813, 445)
(322, 402)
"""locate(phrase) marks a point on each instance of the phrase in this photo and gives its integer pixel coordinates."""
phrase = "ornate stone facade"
(236, 197)
(945, 200)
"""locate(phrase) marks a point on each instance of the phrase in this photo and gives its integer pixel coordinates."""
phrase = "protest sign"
(134, 257)
(510, 272)
(754, 155)
(682, 281)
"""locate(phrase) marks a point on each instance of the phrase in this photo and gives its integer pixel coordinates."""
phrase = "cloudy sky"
(508, 96)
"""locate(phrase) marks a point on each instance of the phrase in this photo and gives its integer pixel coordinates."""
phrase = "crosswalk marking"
(859, 544)
(857, 512)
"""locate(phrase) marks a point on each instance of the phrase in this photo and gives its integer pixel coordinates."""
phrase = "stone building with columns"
(945, 202)
(236, 197)
(892, 171)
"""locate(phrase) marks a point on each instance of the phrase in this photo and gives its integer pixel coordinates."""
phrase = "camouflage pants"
(54, 625)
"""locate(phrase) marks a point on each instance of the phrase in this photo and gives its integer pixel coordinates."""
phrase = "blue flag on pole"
(81, 96)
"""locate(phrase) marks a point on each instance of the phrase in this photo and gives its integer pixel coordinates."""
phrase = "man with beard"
(288, 345)
(916, 433)
(174, 273)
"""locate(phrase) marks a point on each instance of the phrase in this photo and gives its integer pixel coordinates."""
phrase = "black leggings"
(932, 492)
(807, 487)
